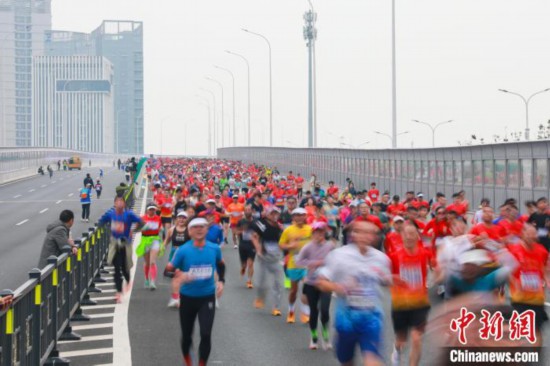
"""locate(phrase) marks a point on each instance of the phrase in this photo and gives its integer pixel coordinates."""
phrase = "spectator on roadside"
(58, 238)
(121, 189)
(88, 180)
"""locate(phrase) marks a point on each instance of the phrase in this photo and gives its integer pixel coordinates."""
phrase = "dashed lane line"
(92, 326)
(32, 190)
(44, 210)
(90, 339)
(17, 196)
(71, 194)
(87, 352)
(108, 306)
(43, 186)
(96, 316)
(22, 222)
(58, 202)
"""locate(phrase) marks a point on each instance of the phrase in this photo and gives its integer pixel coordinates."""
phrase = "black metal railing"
(46, 304)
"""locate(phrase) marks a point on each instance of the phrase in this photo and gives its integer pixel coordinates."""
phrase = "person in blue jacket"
(86, 202)
(120, 220)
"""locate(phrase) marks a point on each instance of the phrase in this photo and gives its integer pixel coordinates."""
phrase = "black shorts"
(540, 313)
(403, 320)
(246, 253)
(224, 220)
(166, 220)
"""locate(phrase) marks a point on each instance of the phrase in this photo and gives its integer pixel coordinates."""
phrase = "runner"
(150, 246)
(235, 211)
(410, 301)
(98, 189)
(86, 202)
(312, 257)
(355, 273)
(527, 283)
(177, 235)
(293, 239)
(120, 248)
(247, 253)
(165, 203)
(193, 268)
(265, 238)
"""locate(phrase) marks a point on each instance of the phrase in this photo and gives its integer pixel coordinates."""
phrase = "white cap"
(182, 213)
(475, 256)
(398, 218)
(199, 221)
(210, 201)
(420, 194)
(151, 207)
(271, 209)
(299, 211)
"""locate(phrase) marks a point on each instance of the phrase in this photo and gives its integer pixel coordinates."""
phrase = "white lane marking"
(87, 352)
(103, 298)
(17, 196)
(71, 194)
(105, 284)
(32, 190)
(97, 316)
(44, 210)
(58, 202)
(121, 333)
(104, 291)
(91, 338)
(92, 326)
(43, 186)
(91, 307)
(22, 222)
(53, 182)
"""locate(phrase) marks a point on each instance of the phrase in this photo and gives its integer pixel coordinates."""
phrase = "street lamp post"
(390, 136)
(223, 123)
(117, 129)
(270, 85)
(394, 79)
(215, 143)
(433, 128)
(248, 78)
(233, 80)
(526, 101)
(310, 35)
(162, 134)
(208, 107)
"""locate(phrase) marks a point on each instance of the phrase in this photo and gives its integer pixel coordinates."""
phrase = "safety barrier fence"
(45, 306)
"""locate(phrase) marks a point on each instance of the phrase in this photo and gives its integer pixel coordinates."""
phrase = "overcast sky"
(453, 55)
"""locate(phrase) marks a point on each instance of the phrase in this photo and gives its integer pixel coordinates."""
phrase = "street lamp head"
(503, 90)
(547, 89)
(245, 30)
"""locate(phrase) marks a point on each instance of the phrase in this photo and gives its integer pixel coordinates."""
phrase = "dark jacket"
(88, 180)
(56, 241)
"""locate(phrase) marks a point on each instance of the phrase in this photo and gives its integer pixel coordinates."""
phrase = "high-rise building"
(73, 103)
(121, 42)
(22, 27)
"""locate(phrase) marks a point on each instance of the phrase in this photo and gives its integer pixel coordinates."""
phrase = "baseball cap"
(210, 201)
(299, 211)
(235, 196)
(420, 194)
(199, 221)
(319, 225)
(182, 213)
(151, 207)
(398, 218)
(271, 209)
(475, 256)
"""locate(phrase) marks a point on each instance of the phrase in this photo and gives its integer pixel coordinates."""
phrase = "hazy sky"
(453, 55)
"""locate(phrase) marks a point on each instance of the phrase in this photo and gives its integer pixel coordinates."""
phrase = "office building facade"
(22, 27)
(121, 42)
(73, 103)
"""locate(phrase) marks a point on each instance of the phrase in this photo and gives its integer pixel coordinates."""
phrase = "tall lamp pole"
(526, 101)
(394, 79)
(233, 80)
(310, 35)
(248, 73)
(215, 143)
(433, 128)
(223, 123)
(208, 108)
(270, 85)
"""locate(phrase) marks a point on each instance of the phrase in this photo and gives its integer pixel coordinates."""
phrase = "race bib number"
(201, 272)
(235, 214)
(247, 235)
(412, 275)
(542, 232)
(272, 247)
(360, 300)
(152, 225)
(530, 281)
(117, 227)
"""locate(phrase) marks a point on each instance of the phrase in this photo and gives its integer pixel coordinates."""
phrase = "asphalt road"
(28, 206)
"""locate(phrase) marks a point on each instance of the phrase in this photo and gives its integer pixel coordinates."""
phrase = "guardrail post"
(78, 314)
(7, 334)
(95, 260)
(35, 340)
(85, 276)
(63, 285)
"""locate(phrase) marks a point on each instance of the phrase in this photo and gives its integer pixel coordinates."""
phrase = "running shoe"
(128, 287)
(152, 285)
(259, 303)
(118, 298)
(291, 318)
(174, 303)
(304, 318)
(325, 342)
(146, 285)
(313, 344)
(249, 284)
(235, 246)
(395, 357)
(276, 312)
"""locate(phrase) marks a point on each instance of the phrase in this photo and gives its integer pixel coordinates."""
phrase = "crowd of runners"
(327, 243)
